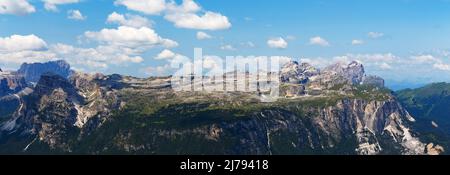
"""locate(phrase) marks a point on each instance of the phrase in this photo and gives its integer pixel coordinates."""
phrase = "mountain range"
(47, 108)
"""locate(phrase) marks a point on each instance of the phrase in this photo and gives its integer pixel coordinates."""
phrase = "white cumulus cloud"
(75, 15)
(442, 66)
(425, 59)
(130, 37)
(16, 7)
(385, 66)
(120, 46)
(319, 41)
(278, 43)
(23, 48)
(21, 43)
(357, 42)
(129, 20)
(165, 54)
(97, 57)
(203, 36)
(375, 35)
(208, 21)
(163, 70)
(227, 47)
(149, 7)
(188, 15)
(51, 5)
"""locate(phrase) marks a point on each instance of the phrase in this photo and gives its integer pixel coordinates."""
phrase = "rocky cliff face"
(10, 83)
(296, 73)
(98, 114)
(354, 72)
(59, 109)
(291, 127)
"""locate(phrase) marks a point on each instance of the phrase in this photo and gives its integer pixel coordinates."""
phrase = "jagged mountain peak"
(343, 66)
(33, 71)
(50, 82)
(61, 63)
(65, 112)
(297, 73)
(355, 63)
(353, 71)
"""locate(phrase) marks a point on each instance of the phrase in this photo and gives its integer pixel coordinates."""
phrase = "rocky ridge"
(337, 110)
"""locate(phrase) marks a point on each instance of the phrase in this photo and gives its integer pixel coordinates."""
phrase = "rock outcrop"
(10, 83)
(296, 73)
(353, 72)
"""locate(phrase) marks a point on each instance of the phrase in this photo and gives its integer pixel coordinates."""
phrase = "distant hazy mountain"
(32, 72)
(338, 110)
(400, 85)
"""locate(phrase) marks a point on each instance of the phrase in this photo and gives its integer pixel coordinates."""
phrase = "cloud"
(383, 61)
(424, 59)
(165, 54)
(98, 57)
(385, 66)
(174, 61)
(248, 44)
(278, 43)
(22, 43)
(428, 59)
(203, 36)
(50, 5)
(29, 56)
(208, 21)
(188, 6)
(442, 66)
(357, 42)
(23, 48)
(319, 41)
(227, 47)
(377, 61)
(75, 15)
(116, 46)
(130, 37)
(375, 35)
(16, 7)
(212, 62)
(135, 21)
(149, 7)
(188, 15)
(163, 70)
(378, 57)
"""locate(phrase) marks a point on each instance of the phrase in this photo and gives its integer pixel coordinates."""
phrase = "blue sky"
(405, 41)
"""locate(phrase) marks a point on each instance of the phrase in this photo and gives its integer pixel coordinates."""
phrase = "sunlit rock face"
(296, 73)
(353, 72)
(11, 82)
